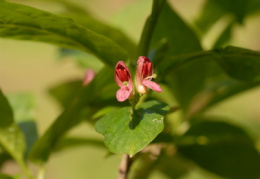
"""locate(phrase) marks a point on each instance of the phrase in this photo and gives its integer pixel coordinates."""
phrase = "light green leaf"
(11, 137)
(23, 108)
(23, 22)
(221, 148)
(127, 132)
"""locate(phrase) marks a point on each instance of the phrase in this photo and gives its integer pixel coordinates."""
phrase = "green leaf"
(208, 16)
(217, 92)
(23, 22)
(23, 108)
(104, 29)
(127, 132)
(64, 93)
(239, 63)
(239, 9)
(80, 108)
(69, 142)
(221, 148)
(169, 27)
(225, 36)
(4, 157)
(11, 137)
(82, 59)
(4, 176)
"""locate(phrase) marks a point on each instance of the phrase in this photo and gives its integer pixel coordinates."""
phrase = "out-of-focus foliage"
(193, 81)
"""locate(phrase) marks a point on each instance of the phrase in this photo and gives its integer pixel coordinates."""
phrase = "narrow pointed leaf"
(127, 133)
(27, 23)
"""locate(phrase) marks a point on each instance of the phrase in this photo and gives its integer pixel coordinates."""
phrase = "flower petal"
(154, 86)
(89, 76)
(122, 74)
(123, 94)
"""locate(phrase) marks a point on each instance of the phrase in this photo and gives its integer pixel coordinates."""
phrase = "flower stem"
(150, 24)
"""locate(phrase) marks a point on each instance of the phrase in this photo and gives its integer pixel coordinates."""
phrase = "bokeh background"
(33, 67)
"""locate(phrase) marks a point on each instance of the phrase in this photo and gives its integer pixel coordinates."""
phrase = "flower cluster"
(143, 77)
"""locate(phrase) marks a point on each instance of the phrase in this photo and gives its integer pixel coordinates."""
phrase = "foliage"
(143, 127)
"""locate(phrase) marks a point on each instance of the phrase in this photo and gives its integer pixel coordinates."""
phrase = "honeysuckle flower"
(124, 81)
(144, 75)
(89, 76)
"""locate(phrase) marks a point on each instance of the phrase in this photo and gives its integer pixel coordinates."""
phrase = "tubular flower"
(144, 75)
(124, 81)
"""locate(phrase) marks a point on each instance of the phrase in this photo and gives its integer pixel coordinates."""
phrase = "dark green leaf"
(225, 36)
(99, 27)
(3, 158)
(129, 133)
(101, 88)
(69, 142)
(4, 176)
(169, 27)
(179, 39)
(221, 148)
(209, 15)
(22, 22)
(216, 93)
(239, 63)
(64, 93)
(239, 9)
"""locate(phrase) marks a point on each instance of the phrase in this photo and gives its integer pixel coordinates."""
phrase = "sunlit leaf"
(129, 133)
(23, 22)
(221, 148)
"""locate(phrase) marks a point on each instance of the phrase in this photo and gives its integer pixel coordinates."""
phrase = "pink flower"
(89, 76)
(124, 81)
(144, 75)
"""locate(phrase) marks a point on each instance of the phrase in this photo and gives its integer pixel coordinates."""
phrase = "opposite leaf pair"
(143, 77)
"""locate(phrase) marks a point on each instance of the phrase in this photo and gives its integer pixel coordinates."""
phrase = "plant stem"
(147, 33)
(25, 169)
(41, 172)
(124, 167)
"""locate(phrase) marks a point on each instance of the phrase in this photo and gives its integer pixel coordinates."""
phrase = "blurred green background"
(33, 67)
